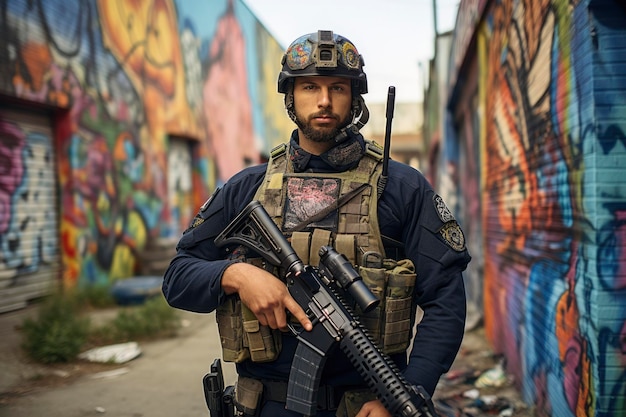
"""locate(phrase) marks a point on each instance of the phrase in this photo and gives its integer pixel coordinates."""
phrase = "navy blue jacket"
(407, 213)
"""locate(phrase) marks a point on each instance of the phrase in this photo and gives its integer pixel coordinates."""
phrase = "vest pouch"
(400, 280)
(248, 393)
(230, 327)
(262, 342)
(352, 402)
(374, 278)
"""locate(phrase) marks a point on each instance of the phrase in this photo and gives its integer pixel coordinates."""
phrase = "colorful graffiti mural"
(27, 203)
(553, 206)
(122, 78)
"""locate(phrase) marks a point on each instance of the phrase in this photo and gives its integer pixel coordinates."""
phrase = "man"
(327, 163)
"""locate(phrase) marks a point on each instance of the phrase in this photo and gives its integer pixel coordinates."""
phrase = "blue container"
(136, 290)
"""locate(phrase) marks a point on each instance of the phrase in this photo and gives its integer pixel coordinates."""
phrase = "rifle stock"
(332, 318)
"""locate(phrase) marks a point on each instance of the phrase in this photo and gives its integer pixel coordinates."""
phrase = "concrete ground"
(165, 380)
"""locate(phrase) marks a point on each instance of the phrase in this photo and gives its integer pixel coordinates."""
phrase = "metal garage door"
(29, 242)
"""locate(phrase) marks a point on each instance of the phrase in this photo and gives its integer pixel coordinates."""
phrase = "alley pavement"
(165, 380)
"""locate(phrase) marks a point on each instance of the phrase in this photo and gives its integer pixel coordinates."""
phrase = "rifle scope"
(334, 266)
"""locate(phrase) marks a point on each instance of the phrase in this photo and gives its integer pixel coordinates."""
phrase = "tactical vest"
(348, 221)
(356, 226)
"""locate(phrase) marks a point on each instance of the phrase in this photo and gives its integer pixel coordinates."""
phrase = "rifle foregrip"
(380, 373)
(304, 380)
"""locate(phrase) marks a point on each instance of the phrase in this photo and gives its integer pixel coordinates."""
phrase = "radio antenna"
(391, 99)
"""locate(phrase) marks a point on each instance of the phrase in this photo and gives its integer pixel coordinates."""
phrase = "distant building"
(406, 130)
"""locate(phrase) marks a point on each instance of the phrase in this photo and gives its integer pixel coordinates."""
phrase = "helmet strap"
(289, 106)
(360, 116)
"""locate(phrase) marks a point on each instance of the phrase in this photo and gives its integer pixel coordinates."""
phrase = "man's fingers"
(262, 319)
(271, 321)
(298, 313)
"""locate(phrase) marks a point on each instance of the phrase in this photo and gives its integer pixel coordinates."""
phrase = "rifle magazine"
(304, 379)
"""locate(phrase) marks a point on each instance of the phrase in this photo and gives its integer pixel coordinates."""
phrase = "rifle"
(320, 293)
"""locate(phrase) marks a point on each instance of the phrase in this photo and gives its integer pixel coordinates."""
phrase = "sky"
(395, 37)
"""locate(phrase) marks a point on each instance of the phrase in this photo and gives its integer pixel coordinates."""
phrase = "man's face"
(322, 106)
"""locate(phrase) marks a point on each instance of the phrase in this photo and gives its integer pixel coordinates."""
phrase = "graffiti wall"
(118, 80)
(29, 248)
(552, 79)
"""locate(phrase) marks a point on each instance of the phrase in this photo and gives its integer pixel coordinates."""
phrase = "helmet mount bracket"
(326, 50)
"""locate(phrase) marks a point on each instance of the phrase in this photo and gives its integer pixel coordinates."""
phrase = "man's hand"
(264, 294)
(373, 409)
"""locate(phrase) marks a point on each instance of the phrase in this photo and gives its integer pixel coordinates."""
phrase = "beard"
(320, 134)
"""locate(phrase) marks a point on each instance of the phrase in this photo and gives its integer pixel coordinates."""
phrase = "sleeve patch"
(444, 213)
(197, 221)
(201, 216)
(453, 236)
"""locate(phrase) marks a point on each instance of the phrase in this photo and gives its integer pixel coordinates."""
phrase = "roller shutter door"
(29, 237)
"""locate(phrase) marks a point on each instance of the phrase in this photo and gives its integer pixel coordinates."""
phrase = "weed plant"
(58, 332)
(150, 320)
(94, 297)
(62, 328)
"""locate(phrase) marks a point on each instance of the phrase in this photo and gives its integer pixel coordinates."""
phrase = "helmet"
(322, 53)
